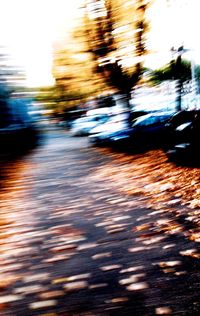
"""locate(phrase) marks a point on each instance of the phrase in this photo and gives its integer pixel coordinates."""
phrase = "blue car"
(146, 130)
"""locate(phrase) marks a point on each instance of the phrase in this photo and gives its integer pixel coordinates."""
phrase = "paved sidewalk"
(75, 242)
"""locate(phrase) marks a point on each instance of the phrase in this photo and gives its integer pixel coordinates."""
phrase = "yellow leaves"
(72, 278)
(138, 286)
(195, 237)
(75, 286)
(43, 304)
(132, 279)
(8, 279)
(136, 249)
(169, 227)
(196, 255)
(111, 267)
(86, 246)
(168, 270)
(132, 269)
(36, 277)
(163, 311)
(61, 280)
(142, 227)
(159, 184)
(10, 298)
(30, 289)
(102, 255)
(190, 253)
(156, 179)
(194, 203)
(153, 240)
(97, 286)
(118, 300)
(166, 264)
(63, 248)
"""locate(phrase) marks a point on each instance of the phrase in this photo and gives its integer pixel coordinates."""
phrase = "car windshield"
(149, 120)
(144, 120)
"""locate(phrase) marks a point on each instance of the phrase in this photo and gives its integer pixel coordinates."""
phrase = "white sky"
(29, 28)
(174, 25)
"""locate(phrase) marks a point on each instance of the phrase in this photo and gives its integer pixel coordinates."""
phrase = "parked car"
(186, 145)
(179, 118)
(117, 125)
(147, 130)
(17, 129)
(103, 133)
(83, 125)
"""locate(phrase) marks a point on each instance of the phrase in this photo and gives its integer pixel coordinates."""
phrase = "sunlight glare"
(29, 28)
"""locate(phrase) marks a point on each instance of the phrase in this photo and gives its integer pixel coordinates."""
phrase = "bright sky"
(174, 23)
(29, 27)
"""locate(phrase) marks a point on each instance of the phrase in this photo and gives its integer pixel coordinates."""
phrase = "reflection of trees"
(115, 32)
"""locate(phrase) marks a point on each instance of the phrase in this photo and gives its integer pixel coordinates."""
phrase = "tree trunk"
(178, 75)
(179, 94)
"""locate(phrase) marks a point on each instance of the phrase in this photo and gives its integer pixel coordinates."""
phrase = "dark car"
(150, 130)
(186, 145)
(116, 128)
(146, 130)
(17, 130)
(179, 118)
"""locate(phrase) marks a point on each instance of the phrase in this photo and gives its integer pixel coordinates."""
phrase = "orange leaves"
(152, 175)
(195, 237)
(142, 227)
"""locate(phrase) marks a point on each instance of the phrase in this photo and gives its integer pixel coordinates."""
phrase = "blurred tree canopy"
(116, 36)
(103, 55)
(73, 70)
(167, 72)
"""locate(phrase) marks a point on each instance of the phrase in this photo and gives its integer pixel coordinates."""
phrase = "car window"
(164, 118)
(145, 121)
(140, 120)
(152, 120)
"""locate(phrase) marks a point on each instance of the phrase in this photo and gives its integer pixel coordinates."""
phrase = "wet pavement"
(75, 241)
